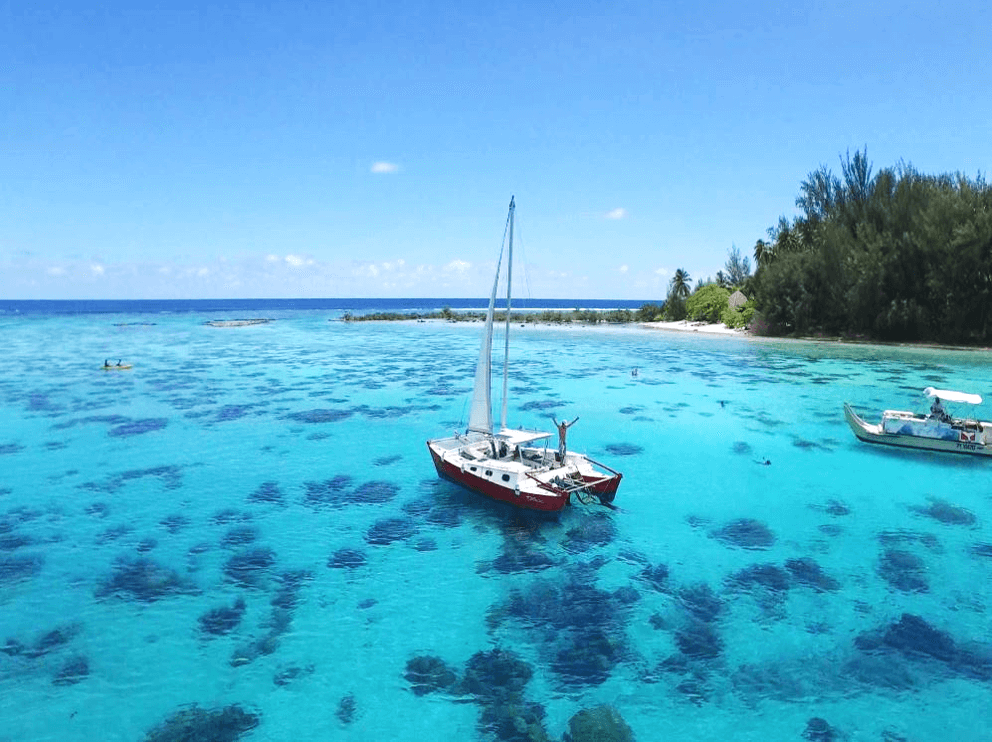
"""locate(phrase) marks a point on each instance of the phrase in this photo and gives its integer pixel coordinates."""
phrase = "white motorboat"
(937, 430)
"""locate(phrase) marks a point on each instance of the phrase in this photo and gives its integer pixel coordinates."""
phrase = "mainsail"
(480, 418)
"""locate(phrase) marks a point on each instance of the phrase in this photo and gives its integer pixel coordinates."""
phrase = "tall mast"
(506, 334)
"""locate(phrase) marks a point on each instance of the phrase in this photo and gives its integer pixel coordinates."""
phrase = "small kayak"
(115, 367)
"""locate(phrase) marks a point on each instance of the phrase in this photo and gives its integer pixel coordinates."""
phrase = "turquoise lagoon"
(250, 516)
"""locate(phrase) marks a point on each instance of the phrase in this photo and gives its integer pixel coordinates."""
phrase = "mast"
(506, 334)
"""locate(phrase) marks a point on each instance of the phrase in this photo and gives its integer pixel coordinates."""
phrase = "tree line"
(547, 316)
(894, 255)
(709, 301)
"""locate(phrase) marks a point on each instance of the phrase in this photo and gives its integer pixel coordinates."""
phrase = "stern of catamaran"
(596, 479)
(606, 490)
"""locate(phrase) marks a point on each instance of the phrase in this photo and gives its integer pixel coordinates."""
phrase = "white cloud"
(661, 272)
(623, 269)
(384, 167)
(618, 213)
(260, 274)
(297, 261)
(370, 270)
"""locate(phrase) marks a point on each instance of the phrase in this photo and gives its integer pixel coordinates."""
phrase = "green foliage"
(738, 269)
(679, 286)
(897, 255)
(707, 304)
(618, 316)
(678, 290)
(674, 308)
(738, 318)
(649, 313)
(547, 316)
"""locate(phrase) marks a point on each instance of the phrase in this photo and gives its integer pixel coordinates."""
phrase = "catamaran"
(936, 431)
(515, 465)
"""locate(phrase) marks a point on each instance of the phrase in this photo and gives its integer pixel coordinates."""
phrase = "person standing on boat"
(938, 411)
(562, 432)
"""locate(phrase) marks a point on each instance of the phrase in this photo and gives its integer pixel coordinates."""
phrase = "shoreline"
(720, 330)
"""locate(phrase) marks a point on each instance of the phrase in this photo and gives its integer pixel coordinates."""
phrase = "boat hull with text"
(524, 476)
(923, 433)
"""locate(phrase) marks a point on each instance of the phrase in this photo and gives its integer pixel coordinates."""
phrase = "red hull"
(607, 490)
(553, 502)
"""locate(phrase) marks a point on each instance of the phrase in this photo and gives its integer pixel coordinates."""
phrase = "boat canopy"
(948, 396)
(520, 437)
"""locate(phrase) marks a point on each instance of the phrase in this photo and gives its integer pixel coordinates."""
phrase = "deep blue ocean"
(243, 536)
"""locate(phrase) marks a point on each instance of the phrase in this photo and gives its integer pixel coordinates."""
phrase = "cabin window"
(506, 477)
(488, 473)
(472, 468)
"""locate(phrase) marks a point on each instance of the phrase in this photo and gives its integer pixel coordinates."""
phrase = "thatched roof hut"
(737, 300)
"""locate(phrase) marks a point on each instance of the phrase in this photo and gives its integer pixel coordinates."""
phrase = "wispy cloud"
(247, 275)
(623, 268)
(384, 167)
(297, 261)
(374, 270)
(618, 213)
(661, 272)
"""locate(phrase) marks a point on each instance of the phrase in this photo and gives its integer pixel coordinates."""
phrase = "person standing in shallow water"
(562, 433)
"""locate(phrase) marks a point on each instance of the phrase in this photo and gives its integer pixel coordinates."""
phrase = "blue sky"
(236, 150)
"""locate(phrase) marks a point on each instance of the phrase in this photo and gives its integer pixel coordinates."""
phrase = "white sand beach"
(687, 326)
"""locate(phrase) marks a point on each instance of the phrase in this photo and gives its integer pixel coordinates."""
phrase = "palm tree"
(762, 253)
(680, 284)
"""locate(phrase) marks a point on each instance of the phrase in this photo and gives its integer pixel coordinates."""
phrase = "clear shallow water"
(235, 464)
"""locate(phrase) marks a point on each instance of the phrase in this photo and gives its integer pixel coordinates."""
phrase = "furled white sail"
(480, 419)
